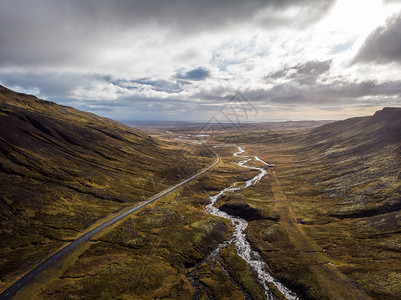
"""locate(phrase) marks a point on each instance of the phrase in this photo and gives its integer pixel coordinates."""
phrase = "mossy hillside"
(61, 170)
(346, 198)
(357, 205)
(342, 186)
(175, 233)
(149, 252)
(364, 247)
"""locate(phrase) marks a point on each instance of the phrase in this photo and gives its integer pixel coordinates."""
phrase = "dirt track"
(334, 283)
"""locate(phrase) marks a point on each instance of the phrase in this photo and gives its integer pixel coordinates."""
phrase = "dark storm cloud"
(178, 56)
(306, 73)
(313, 67)
(383, 45)
(199, 73)
(309, 72)
(52, 33)
(338, 92)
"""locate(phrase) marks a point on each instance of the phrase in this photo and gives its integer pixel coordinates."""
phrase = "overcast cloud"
(383, 45)
(183, 60)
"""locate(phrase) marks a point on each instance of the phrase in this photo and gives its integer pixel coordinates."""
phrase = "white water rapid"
(243, 247)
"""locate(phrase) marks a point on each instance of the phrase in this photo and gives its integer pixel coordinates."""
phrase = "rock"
(242, 210)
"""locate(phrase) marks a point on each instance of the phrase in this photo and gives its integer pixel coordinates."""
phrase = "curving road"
(12, 290)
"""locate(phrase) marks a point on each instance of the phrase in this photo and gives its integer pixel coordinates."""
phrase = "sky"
(197, 60)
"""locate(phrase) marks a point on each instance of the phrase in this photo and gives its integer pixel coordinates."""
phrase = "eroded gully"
(239, 238)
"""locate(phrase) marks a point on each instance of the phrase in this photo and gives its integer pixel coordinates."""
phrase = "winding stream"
(240, 225)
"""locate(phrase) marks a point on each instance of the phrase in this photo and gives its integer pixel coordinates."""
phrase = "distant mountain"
(62, 169)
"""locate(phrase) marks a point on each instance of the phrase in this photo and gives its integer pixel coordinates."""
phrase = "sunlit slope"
(61, 169)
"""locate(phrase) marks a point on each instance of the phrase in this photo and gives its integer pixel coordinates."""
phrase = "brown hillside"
(337, 190)
(62, 169)
(359, 134)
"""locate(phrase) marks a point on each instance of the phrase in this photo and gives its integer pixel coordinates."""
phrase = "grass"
(328, 216)
(346, 207)
(63, 170)
(242, 273)
(147, 253)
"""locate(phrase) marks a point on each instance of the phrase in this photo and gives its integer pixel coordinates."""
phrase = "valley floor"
(299, 227)
(323, 253)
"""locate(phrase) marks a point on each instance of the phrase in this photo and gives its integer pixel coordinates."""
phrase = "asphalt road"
(12, 290)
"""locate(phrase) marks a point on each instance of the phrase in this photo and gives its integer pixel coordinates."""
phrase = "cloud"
(339, 93)
(391, 1)
(199, 73)
(94, 35)
(306, 73)
(383, 45)
(160, 85)
(50, 85)
(171, 59)
(313, 67)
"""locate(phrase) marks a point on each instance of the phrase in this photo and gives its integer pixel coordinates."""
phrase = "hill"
(359, 134)
(363, 155)
(337, 194)
(342, 185)
(62, 169)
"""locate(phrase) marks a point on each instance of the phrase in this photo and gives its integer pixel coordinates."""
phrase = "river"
(240, 225)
